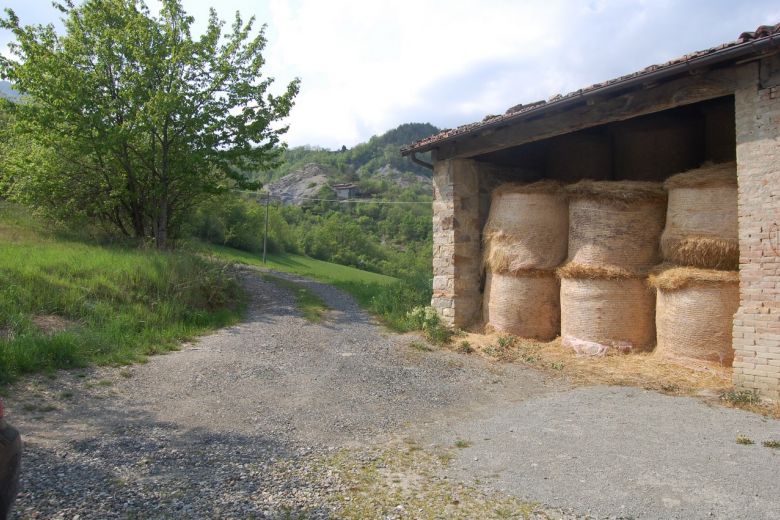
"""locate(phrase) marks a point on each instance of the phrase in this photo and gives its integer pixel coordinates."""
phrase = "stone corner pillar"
(757, 322)
(456, 241)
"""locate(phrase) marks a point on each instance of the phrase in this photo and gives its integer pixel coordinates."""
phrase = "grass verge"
(67, 304)
(307, 301)
(325, 272)
(388, 298)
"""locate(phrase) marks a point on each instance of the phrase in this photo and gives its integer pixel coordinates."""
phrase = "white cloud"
(362, 62)
(367, 66)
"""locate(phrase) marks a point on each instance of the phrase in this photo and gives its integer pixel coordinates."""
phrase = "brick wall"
(757, 323)
(456, 241)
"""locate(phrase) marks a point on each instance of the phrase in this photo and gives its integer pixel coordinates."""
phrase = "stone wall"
(456, 241)
(757, 323)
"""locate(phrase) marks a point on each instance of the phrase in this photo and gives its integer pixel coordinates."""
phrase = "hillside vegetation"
(387, 231)
(65, 303)
(360, 161)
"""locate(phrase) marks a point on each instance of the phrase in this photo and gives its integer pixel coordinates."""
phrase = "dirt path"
(245, 423)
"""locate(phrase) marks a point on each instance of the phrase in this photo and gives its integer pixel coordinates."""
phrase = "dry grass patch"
(642, 369)
(750, 401)
(51, 324)
(404, 482)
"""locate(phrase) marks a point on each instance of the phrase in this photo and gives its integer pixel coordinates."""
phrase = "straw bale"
(694, 316)
(526, 228)
(617, 192)
(590, 272)
(722, 174)
(700, 251)
(512, 188)
(612, 314)
(624, 235)
(526, 305)
(701, 219)
(667, 277)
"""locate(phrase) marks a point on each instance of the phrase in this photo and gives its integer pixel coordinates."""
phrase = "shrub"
(427, 320)
(239, 222)
(741, 397)
(465, 347)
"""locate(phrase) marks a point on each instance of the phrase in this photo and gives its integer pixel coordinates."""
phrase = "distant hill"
(7, 91)
(376, 167)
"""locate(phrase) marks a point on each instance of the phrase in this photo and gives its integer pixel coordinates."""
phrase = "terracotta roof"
(747, 41)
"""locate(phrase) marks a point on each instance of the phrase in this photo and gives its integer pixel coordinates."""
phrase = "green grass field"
(325, 272)
(65, 303)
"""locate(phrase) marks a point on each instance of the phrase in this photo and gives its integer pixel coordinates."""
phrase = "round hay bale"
(525, 304)
(616, 224)
(701, 218)
(527, 227)
(598, 314)
(694, 315)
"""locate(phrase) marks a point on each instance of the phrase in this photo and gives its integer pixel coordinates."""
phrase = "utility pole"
(265, 236)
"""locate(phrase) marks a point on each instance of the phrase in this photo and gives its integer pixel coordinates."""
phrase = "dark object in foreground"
(10, 457)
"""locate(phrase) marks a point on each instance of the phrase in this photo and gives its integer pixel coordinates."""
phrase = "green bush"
(239, 221)
(427, 320)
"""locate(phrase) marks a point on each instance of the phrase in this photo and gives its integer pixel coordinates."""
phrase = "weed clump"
(428, 321)
(741, 397)
(420, 346)
(465, 347)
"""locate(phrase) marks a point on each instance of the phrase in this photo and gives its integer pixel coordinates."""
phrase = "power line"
(286, 198)
(357, 201)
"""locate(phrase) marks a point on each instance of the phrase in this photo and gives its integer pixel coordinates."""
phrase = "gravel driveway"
(238, 424)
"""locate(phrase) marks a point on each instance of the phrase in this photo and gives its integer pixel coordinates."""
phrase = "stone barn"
(717, 106)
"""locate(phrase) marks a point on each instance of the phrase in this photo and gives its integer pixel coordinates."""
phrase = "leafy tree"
(133, 120)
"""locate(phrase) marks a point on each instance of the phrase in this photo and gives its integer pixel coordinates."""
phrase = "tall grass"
(114, 305)
(391, 302)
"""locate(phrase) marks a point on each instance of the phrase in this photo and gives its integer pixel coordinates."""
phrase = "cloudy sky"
(368, 65)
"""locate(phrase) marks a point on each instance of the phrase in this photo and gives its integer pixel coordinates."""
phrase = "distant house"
(718, 105)
(344, 191)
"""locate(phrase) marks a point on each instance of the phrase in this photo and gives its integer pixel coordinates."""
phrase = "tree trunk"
(161, 233)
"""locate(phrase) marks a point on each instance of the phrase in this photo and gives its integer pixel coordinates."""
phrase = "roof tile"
(513, 112)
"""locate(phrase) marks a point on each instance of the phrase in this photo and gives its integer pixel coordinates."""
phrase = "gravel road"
(238, 424)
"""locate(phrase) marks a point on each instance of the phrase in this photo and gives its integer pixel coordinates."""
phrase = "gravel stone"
(242, 423)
